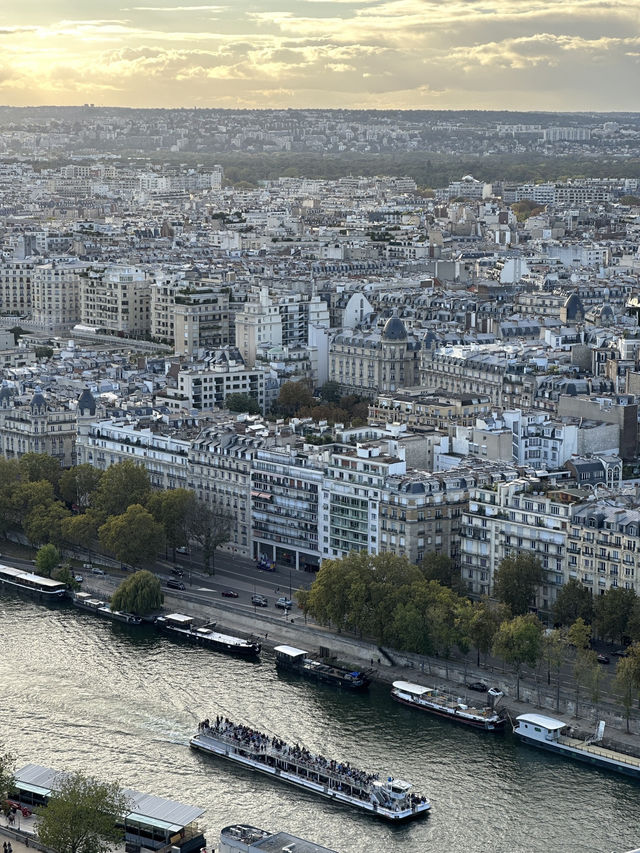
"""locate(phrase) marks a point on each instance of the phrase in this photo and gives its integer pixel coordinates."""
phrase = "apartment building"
(200, 319)
(116, 298)
(258, 324)
(36, 424)
(15, 286)
(55, 295)
(467, 370)
(421, 410)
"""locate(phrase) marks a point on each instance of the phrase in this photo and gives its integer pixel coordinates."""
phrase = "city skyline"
(374, 54)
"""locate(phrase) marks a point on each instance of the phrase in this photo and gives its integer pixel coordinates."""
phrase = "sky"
(371, 54)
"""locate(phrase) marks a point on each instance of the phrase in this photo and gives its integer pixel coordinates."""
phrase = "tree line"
(422, 609)
(115, 510)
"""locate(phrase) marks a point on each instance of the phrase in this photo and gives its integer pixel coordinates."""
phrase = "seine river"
(78, 693)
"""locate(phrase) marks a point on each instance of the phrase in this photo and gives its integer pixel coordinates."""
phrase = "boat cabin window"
(537, 729)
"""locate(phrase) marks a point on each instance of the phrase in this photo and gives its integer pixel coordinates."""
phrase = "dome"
(38, 401)
(394, 330)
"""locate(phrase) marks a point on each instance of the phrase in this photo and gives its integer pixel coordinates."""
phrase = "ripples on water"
(82, 694)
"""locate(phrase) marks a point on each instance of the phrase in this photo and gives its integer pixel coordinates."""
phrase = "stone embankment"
(390, 665)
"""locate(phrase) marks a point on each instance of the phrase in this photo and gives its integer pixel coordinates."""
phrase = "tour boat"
(179, 625)
(39, 587)
(294, 660)
(556, 736)
(445, 705)
(389, 798)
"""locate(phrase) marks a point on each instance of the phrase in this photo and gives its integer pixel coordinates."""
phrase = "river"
(79, 693)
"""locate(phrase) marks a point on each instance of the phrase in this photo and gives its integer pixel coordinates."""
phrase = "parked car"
(182, 549)
(229, 593)
(284, 603)
(177, 571)
(87, 566)
(265, 566)
(78, 578)
(622, 652)
(259, 601)
(175, 584)
(478, 686)
(96, 570)
(603, 659)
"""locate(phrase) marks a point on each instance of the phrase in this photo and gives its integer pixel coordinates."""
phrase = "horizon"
(379, 55)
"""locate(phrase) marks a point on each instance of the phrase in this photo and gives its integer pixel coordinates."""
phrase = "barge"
(443, 704)
(555, 736)
(32, 584)
(84, 601)
(183, 627)
(296, 661)
(389, 798)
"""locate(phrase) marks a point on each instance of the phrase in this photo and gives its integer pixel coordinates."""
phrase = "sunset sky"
(479, 54)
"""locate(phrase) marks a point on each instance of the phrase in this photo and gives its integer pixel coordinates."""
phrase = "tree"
(120, 486)
(7, 768)
(83, 815)
(554, 649)
(579, 634)
(44, 524)
(242, 403)
(584, 666)
(330, 393)
(516, 581)
(173, 509)
(441, 568)
(47, 559)
(211, 525)
(613, 612)
(574, 600)
(77, 485)
(40, 466)
(294, 396)
(133, 537)
(30, 496)
(483, 625)
(626, 685)
(519, 641)
(80, 530)
(140, 593)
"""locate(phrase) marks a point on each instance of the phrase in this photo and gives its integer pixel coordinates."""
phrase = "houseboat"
(84, 601)
(32, 584)
(183, 627)
(389, 798)
(556, 736)
(290, 659)
(443, 704)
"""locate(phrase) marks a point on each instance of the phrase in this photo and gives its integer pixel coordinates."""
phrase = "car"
(182, 549)
(622, 652)
(259, 601)
(177, 571)
(15, 807)
(78, 578)
(175, 584)
(264, 566)
(284, 603)
(229, 593)
(96, 570)
(87, 566)
(602, 659)
(478, 686)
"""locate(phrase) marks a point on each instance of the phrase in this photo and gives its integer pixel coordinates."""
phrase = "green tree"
(554, 650)
(519, 641)
(330, 393)
(574, 600)
(613, 612)
(133, 537)
(121, 486)
(7, 770)
(80, 530)
(140, 593)
(47, 559)
(626, 685)
(484, 622)
(441, 568)
(77, 485)
(40, 466)
(294, 396)
(516, 581)
(584, 666)
(173, 509)
(44, 524)
(242, 403)
(83, 815)
(579, 634)
(211, 525)
(27, 497)
(65, 576)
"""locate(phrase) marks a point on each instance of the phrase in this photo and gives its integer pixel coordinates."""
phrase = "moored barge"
(179, 625)
(296, 661)
(32, 584)
(555, 736)
(84, 601)
(443, 704)
(391, 799)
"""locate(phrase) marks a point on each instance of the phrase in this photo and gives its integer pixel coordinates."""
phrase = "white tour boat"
(554, 735)
(392, 799)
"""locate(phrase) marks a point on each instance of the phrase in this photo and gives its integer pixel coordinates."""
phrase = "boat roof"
(408, 687)
(549, 723)
(179, 618)
(292, 651)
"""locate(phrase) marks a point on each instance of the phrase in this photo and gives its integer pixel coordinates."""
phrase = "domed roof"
(87, 402)
(394, 330)
(38, 401)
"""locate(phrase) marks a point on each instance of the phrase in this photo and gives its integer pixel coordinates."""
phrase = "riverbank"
(452, 674)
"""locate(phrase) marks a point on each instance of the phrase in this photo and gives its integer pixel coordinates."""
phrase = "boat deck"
(601, 751)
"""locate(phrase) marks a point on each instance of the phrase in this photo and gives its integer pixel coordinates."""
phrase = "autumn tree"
(516, 581)
(293, 396)
(82, 815)
(133, 537)
(81, 530)
(141, 593)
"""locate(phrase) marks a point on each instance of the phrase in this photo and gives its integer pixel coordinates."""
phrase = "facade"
(55, 295)
(36, 425)
(465, 370)
(201, 320)
(116, 298)
(421, 411)
(368, 363)
(259, 323)
(15, 286)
